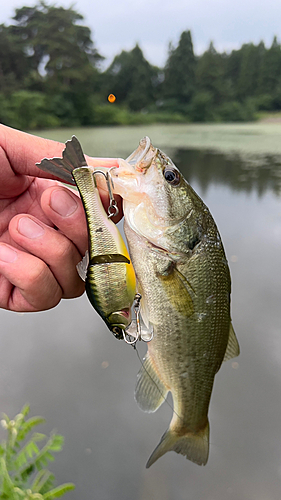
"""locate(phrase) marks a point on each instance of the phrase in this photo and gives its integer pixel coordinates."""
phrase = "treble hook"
(126, 336)
(139, 333)
(113, 208)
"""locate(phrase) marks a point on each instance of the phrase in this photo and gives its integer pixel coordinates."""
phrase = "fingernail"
(7, 254)
(27, 227)
(63, 203)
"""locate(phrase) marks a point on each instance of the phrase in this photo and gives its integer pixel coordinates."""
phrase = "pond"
(71, 369)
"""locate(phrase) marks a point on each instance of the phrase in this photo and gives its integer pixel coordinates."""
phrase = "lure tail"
(194, 446)
(72, 158)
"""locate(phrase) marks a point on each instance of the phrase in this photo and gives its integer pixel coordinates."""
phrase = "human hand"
(43, 232)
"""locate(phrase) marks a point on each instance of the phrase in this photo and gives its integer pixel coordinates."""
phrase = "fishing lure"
(106, 268)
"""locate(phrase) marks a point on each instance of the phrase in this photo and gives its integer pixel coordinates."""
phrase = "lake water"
(71, 370)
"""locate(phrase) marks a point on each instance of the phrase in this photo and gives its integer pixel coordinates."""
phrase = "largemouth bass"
(184, 280)
(106, 267)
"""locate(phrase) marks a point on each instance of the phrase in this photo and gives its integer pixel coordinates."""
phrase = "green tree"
(54, 42)
(179, 83)
(210, 75)
(59, 47)
(14, 66)
(251, 58)
(270, 70)
(132, 79)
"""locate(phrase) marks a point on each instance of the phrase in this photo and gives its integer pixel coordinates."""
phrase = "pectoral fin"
(232, 349)
(178, 291)
(150, 391)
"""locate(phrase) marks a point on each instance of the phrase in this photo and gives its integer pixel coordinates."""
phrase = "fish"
(106, 268)
(184, 282)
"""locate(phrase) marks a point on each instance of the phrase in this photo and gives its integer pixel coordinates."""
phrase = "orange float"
(111, 98)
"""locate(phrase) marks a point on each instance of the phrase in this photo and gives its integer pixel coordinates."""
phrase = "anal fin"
(232, 349)
(150, 391)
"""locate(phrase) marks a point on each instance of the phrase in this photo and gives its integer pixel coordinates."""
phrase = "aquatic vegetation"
(23, 473)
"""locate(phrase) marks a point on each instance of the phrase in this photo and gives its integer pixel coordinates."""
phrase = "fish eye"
(172, 176)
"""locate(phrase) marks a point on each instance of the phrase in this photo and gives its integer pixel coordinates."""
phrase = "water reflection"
(260, 173)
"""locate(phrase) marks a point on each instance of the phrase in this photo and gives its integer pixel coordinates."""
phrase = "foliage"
(51, 37)
(14, 66)
(23, 473)
(132, 79)
(201, 109)
(26, 109)
(179, 83)
(50, 76)
(234, 111)
(210, 75)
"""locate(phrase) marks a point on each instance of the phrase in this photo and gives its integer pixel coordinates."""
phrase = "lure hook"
(139, 336)
(113, 208)
(127, 336)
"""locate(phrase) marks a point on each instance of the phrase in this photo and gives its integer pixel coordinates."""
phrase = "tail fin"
(72, 157)
(194, 447)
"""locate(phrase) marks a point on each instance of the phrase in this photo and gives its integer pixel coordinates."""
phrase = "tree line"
(50, 76)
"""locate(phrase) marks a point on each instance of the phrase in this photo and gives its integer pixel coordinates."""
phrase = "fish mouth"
(126, 177)
(141, 158)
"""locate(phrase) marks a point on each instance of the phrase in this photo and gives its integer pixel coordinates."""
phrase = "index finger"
(20, 151)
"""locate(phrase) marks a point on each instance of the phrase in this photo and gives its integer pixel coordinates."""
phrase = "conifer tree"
(251, 57)
(210, 75)
(179, 83)
(132, 79)
(270, 70)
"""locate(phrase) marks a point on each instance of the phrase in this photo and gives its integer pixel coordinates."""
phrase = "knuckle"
(65, 250)
(36, 274)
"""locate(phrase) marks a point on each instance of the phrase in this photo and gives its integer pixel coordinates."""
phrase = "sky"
(119, 24)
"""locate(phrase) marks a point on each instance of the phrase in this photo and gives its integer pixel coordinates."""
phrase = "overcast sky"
(120, 24)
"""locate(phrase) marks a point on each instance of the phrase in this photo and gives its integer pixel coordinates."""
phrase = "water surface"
(72, 371)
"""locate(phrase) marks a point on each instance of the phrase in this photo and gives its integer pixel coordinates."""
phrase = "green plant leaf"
(57, 442)
(28, 426)
(7, 484)
(59, 491)
(19, 462)
(27, 452)
(43, 479)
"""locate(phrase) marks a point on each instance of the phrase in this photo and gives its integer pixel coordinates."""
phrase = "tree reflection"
(251, 173)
